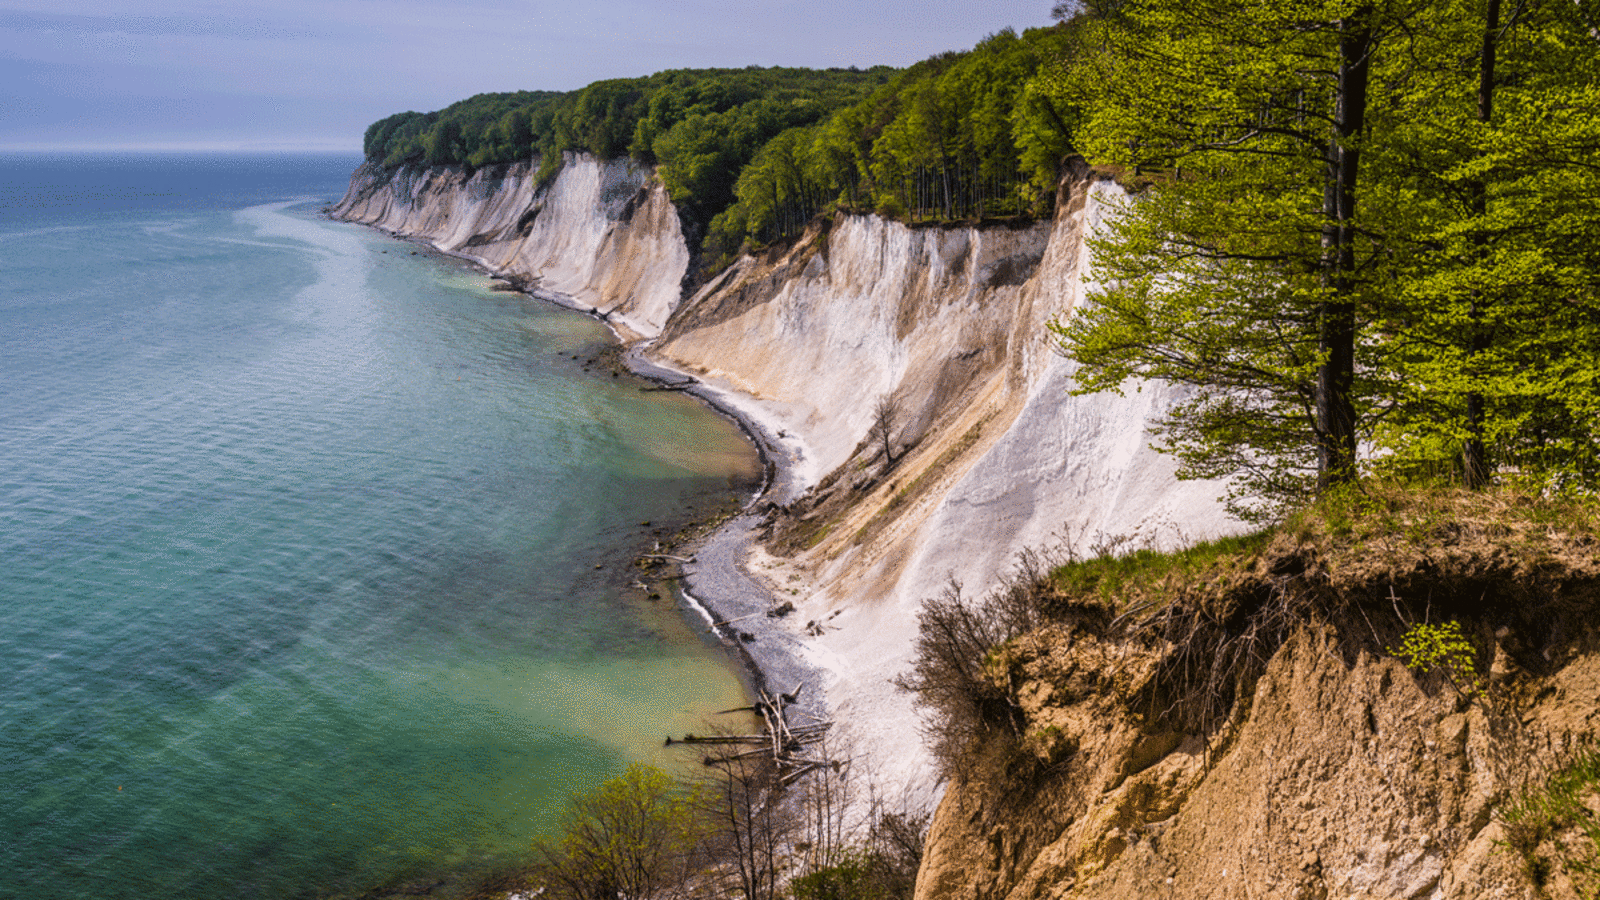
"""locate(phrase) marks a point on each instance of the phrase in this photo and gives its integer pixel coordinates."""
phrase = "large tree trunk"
(1474, 455)
(1335, 409)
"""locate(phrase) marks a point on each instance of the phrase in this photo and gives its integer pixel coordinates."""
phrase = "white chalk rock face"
(877, 309)
(602, 236)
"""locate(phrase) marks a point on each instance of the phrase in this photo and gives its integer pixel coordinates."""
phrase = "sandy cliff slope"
(1319, 765)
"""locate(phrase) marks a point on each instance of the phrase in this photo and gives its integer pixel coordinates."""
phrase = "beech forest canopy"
(1371, 237)
(753, 154)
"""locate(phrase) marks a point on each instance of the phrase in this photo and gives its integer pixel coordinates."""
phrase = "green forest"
(752, 155)
(1371, 237)
(1367, 231)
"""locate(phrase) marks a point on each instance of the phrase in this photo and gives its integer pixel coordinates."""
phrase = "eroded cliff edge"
(989, 455)
(1248, 729)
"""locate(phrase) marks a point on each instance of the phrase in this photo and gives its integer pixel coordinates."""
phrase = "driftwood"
(714, 626)
(782, 741)
(717, 739)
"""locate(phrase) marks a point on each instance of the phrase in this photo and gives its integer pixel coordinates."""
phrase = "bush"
(1441, 648)
(634, 836)
(949, 675)
(847, 880)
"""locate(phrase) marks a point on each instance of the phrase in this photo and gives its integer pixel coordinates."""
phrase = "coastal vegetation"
(736, 834)
(751, 155)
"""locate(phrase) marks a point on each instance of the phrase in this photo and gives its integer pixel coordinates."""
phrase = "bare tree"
(745, 807)
(885, 416)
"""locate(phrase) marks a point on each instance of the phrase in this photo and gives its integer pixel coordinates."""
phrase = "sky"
(312, 74)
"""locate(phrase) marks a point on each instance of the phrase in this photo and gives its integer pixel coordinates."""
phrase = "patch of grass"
(1556, 826)
(1119, 580)
(814, 533)
(1394, 515)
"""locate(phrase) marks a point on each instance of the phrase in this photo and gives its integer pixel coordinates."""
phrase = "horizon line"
(326, 149)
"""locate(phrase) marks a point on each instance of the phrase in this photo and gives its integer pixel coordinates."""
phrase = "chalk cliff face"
(991, 455)
(604, 236)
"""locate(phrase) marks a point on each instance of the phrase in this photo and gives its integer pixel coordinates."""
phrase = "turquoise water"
(315, 550)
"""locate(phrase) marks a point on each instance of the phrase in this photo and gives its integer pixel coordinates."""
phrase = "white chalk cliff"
(993, 454)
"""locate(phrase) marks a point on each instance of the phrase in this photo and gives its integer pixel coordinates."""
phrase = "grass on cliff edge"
(1381, 556)
(1371, 534)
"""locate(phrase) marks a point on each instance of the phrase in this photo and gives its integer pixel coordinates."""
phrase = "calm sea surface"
(313, 552)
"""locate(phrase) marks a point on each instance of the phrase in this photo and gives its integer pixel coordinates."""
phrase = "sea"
(315, 550)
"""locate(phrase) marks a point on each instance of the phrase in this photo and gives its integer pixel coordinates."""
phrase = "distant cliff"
(604, 235)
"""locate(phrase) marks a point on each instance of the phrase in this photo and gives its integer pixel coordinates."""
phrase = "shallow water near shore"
(316, 549)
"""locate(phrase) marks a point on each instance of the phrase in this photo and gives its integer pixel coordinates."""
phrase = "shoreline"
(741, 608)
(716, 585)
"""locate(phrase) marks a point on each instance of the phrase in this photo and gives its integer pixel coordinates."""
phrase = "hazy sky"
(312, 74)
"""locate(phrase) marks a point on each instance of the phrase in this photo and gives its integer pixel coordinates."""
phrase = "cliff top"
(1389, 693)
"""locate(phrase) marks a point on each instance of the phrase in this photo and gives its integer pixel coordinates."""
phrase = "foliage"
(952, 671)
(700, 126)
(1243, 270)
(1487, 176)
(1368, 237)
(957, 135)
(634, 836)
(754, 154)
(846, 880)
(1441, 648)
(1410, 265)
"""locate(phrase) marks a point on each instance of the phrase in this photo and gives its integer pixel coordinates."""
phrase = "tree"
(1328, 263)
(1242, 270)
(885, 416)
(745, 807)
(1491, 174)
(635, 836)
